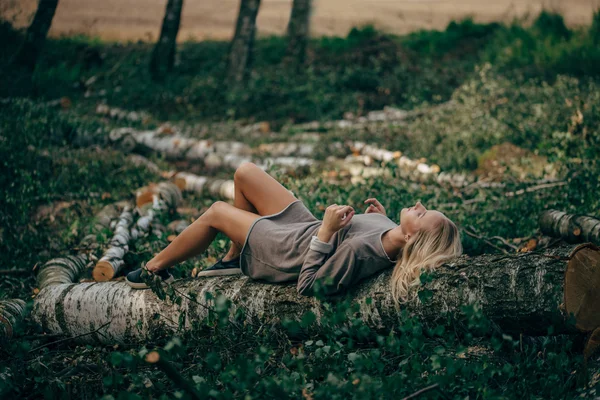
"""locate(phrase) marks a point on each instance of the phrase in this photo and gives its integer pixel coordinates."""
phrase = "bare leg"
(259, 193)
(196, 238)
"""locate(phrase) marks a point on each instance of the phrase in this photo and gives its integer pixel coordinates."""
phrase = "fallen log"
(62, 270)
(112, 261)
(11, 313)
(520, 293)
(220, 188)
(409, 168)
(573, 228)
(165, 197)
(173, 145)
(69, 269)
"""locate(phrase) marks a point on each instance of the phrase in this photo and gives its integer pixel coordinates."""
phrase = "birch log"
(571, 227)
(11, 313)
(165, 198)
(167, 194)
(62, 270)
(173, 146)
(414, 169)
(112, 261)
(520, 293)
(201, 185)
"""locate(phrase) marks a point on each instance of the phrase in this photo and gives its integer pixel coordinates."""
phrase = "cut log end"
(582, 287)
(144, 198)
(103, 271)
(180, 182)
(153, 357)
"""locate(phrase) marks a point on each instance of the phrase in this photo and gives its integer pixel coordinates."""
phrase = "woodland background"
(506, 110)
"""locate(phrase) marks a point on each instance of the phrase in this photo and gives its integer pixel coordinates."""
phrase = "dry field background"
(203, 19)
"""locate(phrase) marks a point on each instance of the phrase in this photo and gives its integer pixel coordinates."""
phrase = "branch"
(69, 338)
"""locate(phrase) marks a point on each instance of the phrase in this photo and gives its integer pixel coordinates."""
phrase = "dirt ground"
(203, 19)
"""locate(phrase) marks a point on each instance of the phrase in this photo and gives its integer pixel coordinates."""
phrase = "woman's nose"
(419, 205)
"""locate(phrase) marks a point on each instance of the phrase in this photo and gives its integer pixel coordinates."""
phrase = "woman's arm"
(315, 266)
(333, 272)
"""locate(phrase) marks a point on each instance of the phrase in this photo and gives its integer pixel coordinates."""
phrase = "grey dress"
(283, 247)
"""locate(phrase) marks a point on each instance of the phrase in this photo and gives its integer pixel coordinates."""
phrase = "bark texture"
(297, 31)
(240, 53)
(11, 313)
(69, 269)
(112, 261)
(519, 293)
(220, 188)
(36, 35)
(62, 270)
(571, 227)
(209, 153)
(163, 55)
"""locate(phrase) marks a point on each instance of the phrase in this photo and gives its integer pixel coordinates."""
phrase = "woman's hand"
(336, 217)
(374, 207)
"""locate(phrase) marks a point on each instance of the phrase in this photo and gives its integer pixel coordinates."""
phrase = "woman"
(275, 238)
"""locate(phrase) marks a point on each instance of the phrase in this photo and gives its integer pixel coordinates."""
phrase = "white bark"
(278, 149)
(11, 313)
(63, 270)
(165, 196)
(520, 294)
(120, 114)
(112, 261)
(415, 169)
(173, 146)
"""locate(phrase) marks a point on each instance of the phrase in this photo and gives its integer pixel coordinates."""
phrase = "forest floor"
(473, 100)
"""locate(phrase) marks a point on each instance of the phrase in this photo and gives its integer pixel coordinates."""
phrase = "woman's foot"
(136, 281)
(223, 267)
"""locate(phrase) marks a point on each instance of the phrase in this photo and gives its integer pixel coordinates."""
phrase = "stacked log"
(63, 270)
(165, 197)
(68, 269)
(220, 188)
(533, 282)
(11, 313)
(112, 262)
(120, 114)
(105, 219)
(172, 145)
(414, 169)
(572, 228)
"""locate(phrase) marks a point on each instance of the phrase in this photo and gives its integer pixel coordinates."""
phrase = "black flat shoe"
(134, 278)
(231, 267)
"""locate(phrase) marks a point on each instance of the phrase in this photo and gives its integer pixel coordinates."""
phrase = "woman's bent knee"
(244, 169)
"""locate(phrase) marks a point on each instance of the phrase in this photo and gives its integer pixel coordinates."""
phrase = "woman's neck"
(393, 242)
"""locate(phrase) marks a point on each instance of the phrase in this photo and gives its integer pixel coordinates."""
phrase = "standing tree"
(36, 35)
(297, 31)
(163, 55)
(241, 46)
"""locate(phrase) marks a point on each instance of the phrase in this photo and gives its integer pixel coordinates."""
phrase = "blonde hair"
(427, 250)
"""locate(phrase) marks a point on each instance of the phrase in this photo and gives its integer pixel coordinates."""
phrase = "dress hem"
(252, 227)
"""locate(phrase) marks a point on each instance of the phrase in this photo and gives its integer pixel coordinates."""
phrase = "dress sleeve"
(318, 266)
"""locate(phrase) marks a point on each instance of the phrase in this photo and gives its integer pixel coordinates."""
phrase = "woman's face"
(417, 217)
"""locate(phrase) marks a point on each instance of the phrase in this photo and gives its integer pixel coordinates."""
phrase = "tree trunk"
(520, 293)
(570, 227)
(297, 31)
(36, 35)
(240, 53)
(163, 55)
(11, 313)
